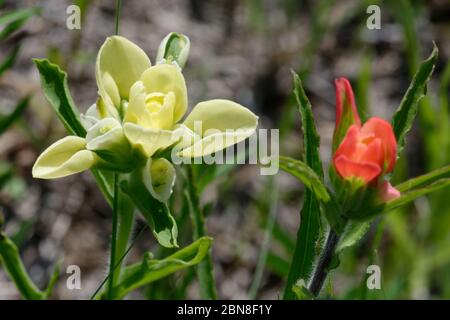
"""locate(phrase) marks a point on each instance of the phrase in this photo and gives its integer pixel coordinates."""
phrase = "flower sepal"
(357, 198)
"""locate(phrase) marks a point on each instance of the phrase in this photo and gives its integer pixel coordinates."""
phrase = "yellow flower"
(138, 114)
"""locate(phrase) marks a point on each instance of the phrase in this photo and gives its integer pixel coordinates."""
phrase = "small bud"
(174, 48)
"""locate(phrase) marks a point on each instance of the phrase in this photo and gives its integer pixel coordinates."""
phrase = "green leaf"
(7, 121)
(16, 15)
(56, 90)
(424, 180)
(354, 232)
(14, 267)
(309, 232)
(54, 277)
(156, 213)
(9, 60)
(286, 240)
(404, 116)
(311, 139)
(150, 270)
(306, 175)
(277, 264)
(15, 20)
(407, 197)
(55, 87)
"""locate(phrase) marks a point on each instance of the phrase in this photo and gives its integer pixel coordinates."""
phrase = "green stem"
(205, 268)
(9, 255)
(115, 218)
(117, 19)
(113, 272)
(126, 222)
(323, 266)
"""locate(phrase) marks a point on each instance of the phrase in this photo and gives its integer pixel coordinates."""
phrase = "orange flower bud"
(366, 152)
(346, 111)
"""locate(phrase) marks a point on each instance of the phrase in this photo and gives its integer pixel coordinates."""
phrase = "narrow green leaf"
(21, 14)
(277, 264)
(407, 197)
(55, 87)
(150, 270)
(311, 139)
(54, 277)
(354, 232)
(424, 180)
(10, 28)
(6, 122)
(10, 258)
(404, 116)
(56, 90)
(306, 175)
(10, 59)
(309, 232)
(283, 238)
(156, 213)
(104, 180)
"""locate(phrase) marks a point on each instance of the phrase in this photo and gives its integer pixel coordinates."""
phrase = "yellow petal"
(148, 140)
(106, 134)
(220, 123)
(165, 78)
(111, 90)
(120, 63)
(159, 178)
(97, 112)
(65, 157)
(136, 111)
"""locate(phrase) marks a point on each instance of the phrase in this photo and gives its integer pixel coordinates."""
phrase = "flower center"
(160, 107)
(155, 102)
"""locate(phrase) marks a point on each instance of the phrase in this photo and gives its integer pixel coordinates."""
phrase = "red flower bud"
(346, 112)
(366, 152)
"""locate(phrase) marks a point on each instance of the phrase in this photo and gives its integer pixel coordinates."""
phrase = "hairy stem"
(322, 268)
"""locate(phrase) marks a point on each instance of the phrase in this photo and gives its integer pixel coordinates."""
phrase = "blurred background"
(243, 51)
